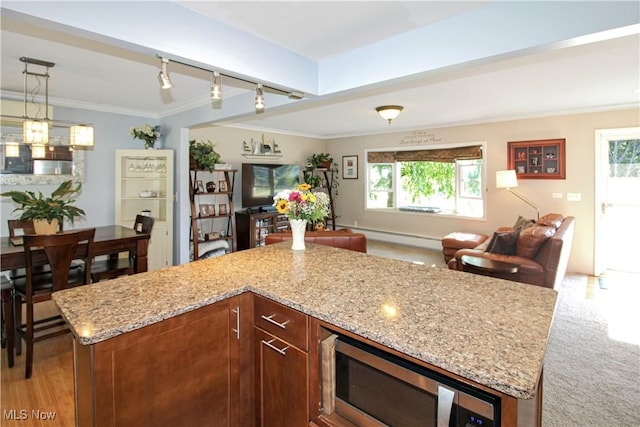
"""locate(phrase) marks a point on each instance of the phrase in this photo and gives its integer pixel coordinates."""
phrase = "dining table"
(108, 240)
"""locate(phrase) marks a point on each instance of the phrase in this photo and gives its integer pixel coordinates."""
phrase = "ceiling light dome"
(389, 112)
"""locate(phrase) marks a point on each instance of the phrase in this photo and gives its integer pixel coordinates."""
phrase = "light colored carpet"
(589, 377)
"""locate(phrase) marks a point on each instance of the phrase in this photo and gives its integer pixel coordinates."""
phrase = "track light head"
(259, 98)
(163, 76)
(216, 86)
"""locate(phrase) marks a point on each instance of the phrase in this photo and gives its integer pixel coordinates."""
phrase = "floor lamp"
(507, 179)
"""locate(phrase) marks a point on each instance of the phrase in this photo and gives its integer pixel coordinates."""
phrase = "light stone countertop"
(490, 331)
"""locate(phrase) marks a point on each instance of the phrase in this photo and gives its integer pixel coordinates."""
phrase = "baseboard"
(399, 238)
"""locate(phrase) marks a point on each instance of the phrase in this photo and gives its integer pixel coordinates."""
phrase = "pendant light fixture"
(259, 98)
(35, 131)
(216, 86)
(389, 112)
(163, 76)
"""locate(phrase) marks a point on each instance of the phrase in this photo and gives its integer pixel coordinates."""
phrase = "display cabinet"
(212, 212)
(144, 185)
(542, 159)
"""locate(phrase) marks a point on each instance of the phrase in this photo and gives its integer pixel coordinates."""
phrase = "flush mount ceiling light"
(389, 112)
(259, 98)
(35, 131)
(216, 86)
(163, 76)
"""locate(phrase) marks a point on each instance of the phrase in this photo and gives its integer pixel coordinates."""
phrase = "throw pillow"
(552, 219)
(522, 223)
(503, 243)
(531, 240)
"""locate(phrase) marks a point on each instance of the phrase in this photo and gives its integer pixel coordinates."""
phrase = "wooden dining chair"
(57, 250)
(7, 318)
(17, 229)
(114, 266)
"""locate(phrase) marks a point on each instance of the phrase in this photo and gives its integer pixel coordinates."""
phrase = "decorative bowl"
(147, 193)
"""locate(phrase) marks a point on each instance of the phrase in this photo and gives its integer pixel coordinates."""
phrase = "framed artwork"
(538, 159)
(204, 209)
(211, 210)
(222, 209)
(199, 187)
(349, 167)
(222, 186)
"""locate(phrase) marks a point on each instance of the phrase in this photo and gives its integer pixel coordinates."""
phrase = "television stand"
(253, 227)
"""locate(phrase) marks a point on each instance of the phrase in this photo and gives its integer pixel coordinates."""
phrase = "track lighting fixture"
(216, 86)
(389, 112)
(259, 98)
(163, 76)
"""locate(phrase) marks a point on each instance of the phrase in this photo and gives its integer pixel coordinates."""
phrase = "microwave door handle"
(445, 404)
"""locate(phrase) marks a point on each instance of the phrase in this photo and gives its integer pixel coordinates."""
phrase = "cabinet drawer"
(282, 322)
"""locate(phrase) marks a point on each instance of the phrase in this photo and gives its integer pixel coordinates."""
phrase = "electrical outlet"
(557, 195)
(574, 197)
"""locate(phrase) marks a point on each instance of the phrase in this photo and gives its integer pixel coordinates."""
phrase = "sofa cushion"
(522, 223)
(531, 239)
(552, 219)
(503, 243)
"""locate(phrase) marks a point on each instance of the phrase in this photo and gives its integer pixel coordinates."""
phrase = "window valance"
(448, 155)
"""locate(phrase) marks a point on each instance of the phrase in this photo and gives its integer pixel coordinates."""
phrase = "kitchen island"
(488, 331)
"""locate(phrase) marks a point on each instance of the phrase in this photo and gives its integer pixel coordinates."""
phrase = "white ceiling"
(591, 76)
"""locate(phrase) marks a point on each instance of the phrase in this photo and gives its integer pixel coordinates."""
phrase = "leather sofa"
(343, 238)
(547, 264)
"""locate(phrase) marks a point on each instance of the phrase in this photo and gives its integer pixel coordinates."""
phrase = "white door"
(617, 200)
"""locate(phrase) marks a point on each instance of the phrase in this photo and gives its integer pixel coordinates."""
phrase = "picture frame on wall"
(537, 159)
(350, 167)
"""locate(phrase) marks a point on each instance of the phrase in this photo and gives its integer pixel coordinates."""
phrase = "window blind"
(447, 155)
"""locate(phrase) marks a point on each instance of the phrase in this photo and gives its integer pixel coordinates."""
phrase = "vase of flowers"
(301, 205)
(149, 134)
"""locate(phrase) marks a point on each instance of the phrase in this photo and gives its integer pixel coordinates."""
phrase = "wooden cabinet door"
(183, 371)
(281, 382)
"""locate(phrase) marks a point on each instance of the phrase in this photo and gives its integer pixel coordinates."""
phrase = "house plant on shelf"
(204, 155)
(48, 213)
(322, 161)
(301, 205)
(149, 134)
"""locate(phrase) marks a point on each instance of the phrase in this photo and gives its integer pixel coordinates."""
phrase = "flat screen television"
(260, 182)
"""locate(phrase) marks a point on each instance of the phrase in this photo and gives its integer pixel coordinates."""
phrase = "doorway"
(617, 200)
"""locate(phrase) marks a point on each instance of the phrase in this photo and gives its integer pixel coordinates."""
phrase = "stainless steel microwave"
(371, 388)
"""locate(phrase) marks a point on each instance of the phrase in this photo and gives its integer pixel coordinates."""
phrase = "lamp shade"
(35, 131)
(389, 112)
(81, 136)
(506, 179)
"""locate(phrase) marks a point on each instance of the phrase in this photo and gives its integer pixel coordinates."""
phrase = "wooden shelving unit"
(253, 228)
(327, 185)
(209, 222)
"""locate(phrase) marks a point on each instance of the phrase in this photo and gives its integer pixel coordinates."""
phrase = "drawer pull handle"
(273, 347)
(269, 319)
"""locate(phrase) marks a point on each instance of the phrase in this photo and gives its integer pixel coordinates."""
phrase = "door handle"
(269, 319)
(445, 404)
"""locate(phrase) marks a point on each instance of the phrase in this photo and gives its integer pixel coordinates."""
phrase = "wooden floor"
(50, 389)
(48, 394)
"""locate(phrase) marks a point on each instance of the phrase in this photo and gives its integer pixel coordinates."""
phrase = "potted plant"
(321, 161)
(149, 134)
(204, 155)
(47, 213)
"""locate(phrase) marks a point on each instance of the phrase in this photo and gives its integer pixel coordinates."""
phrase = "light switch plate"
(574, 197)
(557, 195)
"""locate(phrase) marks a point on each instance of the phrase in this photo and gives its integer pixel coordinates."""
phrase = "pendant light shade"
(81, 136)
(35, 131)
(216, 86)
(389, 112)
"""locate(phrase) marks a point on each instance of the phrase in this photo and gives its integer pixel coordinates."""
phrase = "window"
(445, 180)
